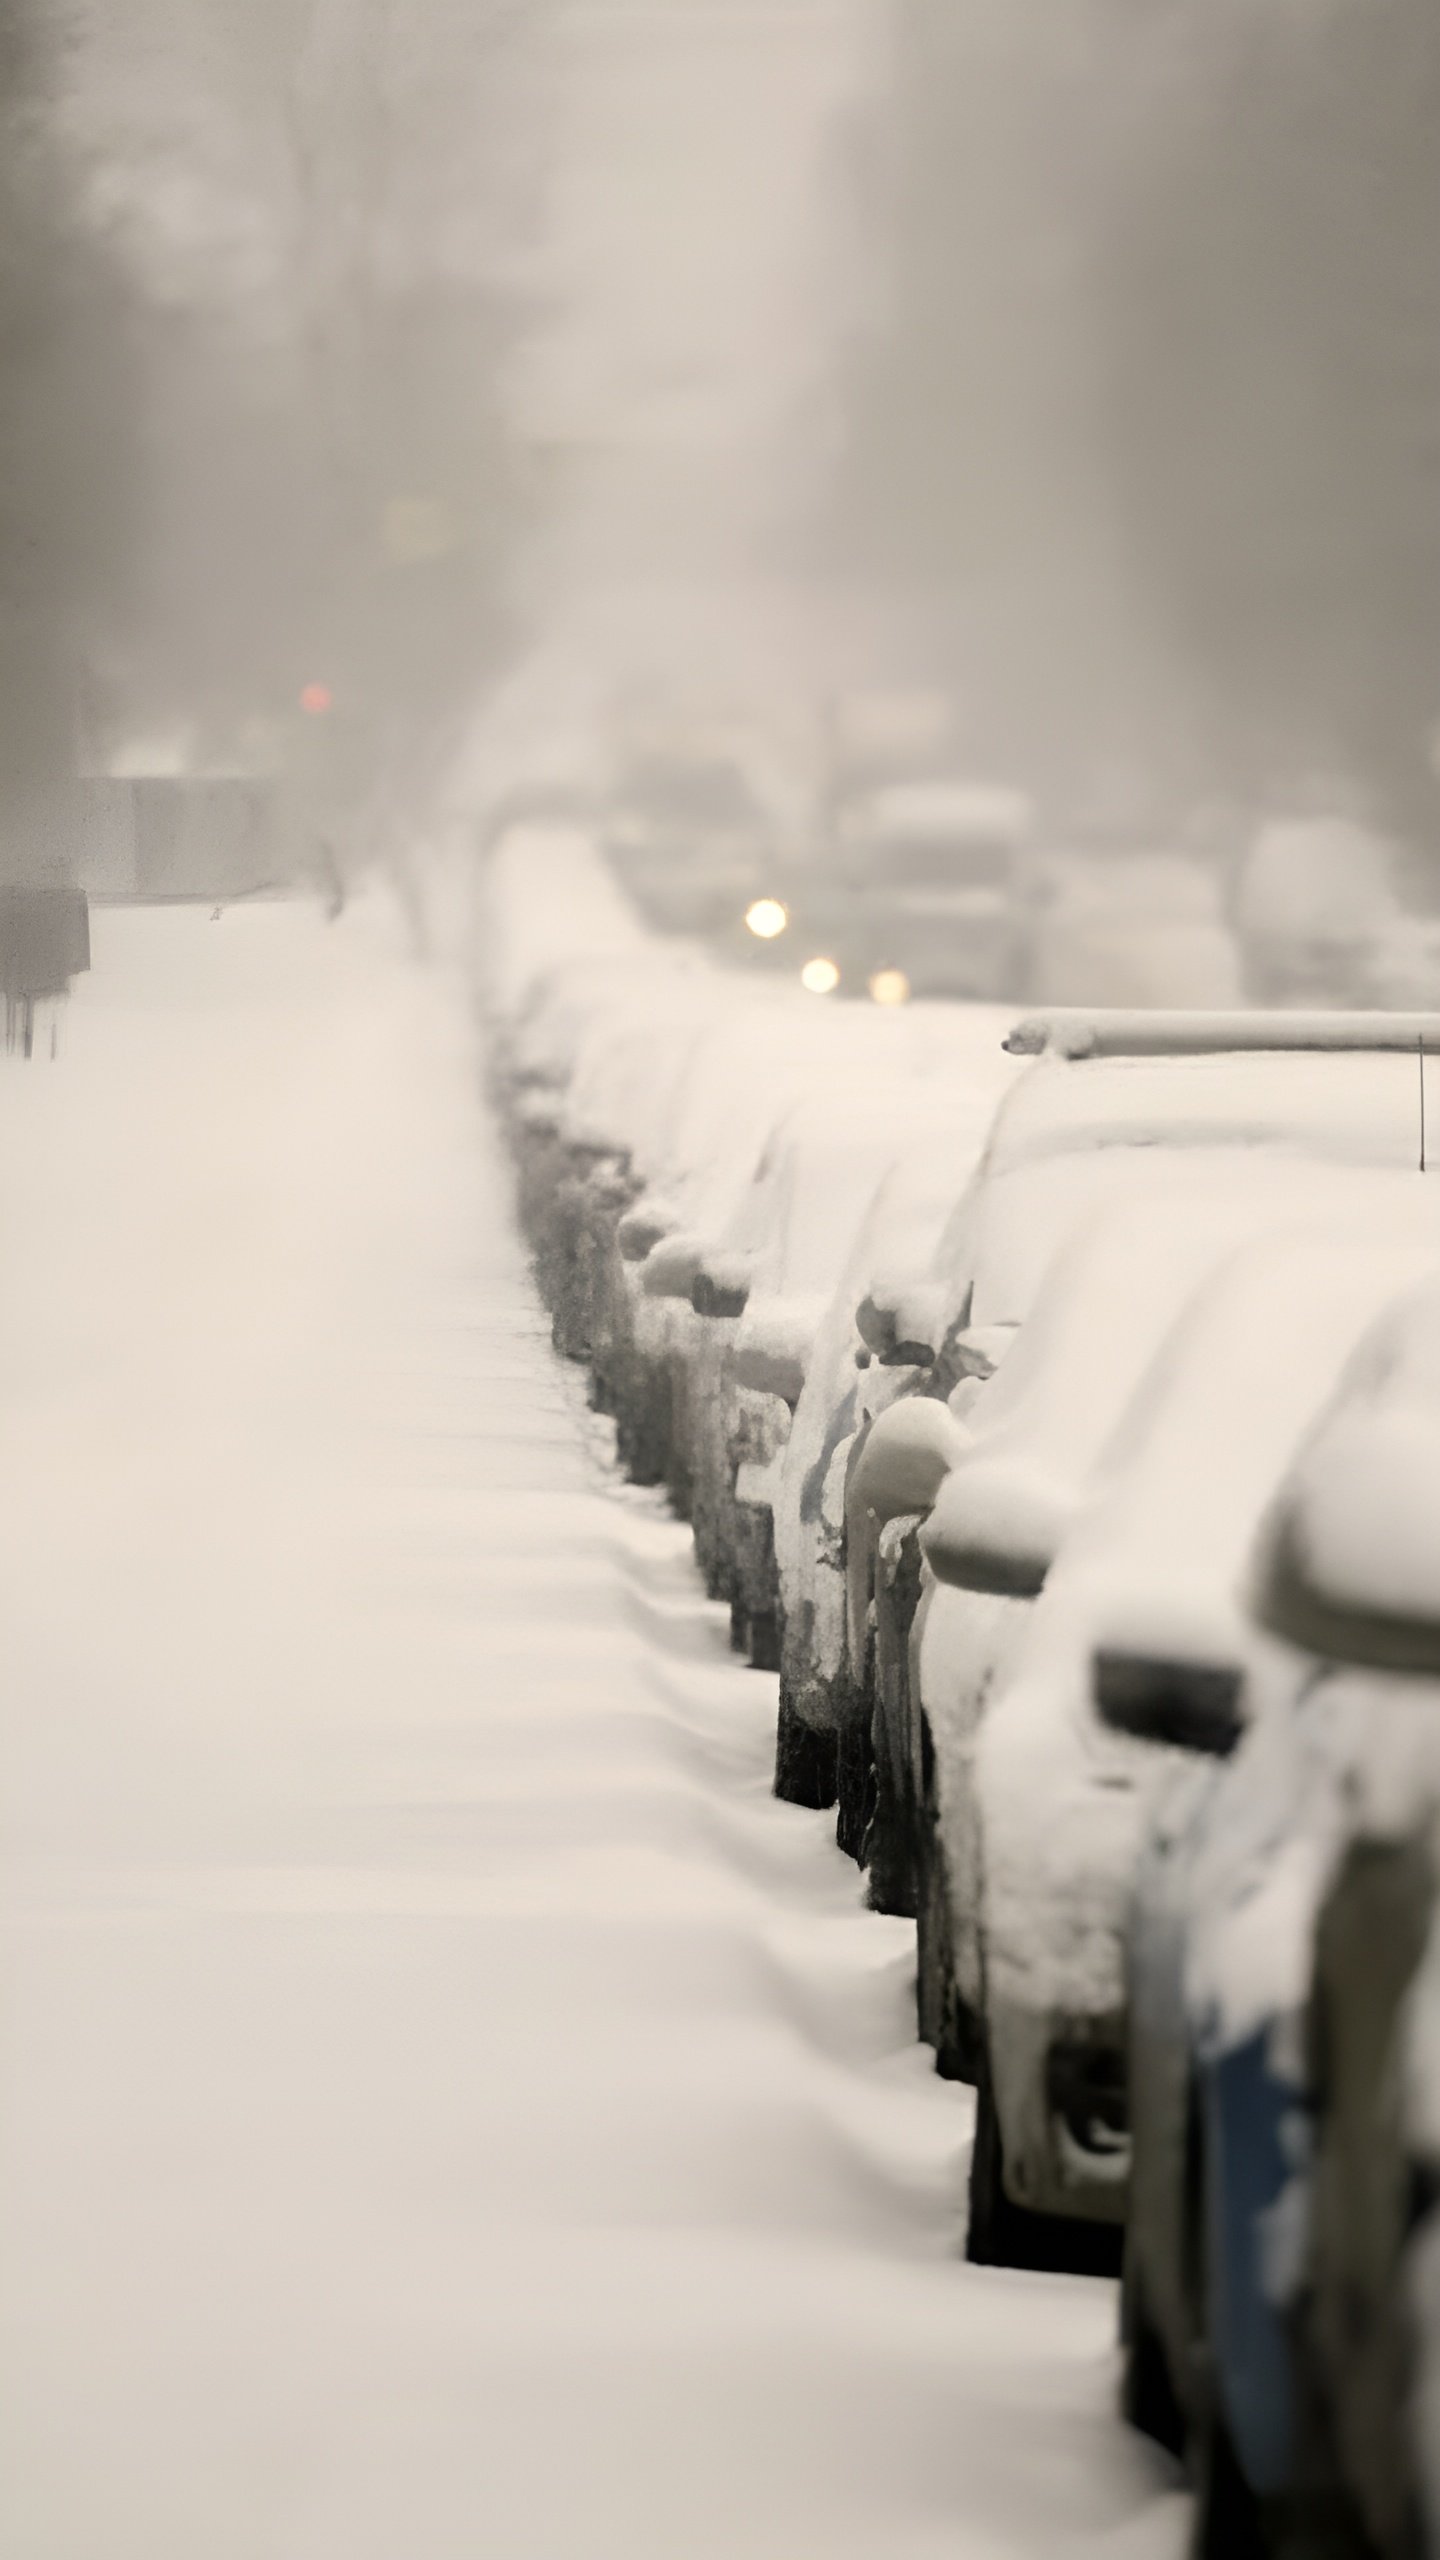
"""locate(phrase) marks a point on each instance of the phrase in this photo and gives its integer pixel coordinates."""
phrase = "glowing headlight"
(820, 977)
(890, 986)
(766, 918)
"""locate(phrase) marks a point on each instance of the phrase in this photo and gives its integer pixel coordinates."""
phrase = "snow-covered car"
(1316, 896)
(1134, 1641)
(1110, 1101)
(938, 1137)
(1284, 1961)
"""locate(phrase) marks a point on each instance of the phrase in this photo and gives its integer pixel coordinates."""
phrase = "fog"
(1080, 359)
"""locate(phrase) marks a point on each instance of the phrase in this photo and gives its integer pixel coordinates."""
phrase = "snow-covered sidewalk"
(449, 2111)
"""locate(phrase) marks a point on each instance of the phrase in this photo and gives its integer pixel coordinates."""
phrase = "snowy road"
(448, 2108)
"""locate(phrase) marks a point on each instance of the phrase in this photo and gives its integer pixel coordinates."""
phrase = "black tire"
(887, 1851)
(854, 1780)
(1148, 2400)
(804, 1760)
(763, 1640)
(1229, 2520)
(945, 2020)
(1001, 2233)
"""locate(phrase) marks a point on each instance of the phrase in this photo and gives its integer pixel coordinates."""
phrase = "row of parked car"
(1056, 1403)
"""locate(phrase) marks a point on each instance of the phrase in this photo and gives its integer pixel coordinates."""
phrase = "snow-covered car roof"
(1076, 1032)
(943, 811)
(821, 1167)
(1071, 1132)
(1359, 1103)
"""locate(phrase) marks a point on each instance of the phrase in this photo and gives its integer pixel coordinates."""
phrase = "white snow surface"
(449, 2107)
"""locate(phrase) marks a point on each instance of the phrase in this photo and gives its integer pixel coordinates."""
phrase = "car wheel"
(943, 2019)
(1147, 2395)
(946, 2021)
(854, 1778)
(763, 1640)
(804, 1760)
(887, 1851)
(885, 1856)
(1229, 2521)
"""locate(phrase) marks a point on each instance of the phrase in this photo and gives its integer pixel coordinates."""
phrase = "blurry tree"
(974, 480)
(67, 456)
(1144, 411)
(309, 195)
(1272, 309)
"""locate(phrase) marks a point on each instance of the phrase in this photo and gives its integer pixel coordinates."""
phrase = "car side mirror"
(1192, 1706)
(905, 1457)
(721, 1286)
(993, 1530)
(772, 1347)
(902, 1332)
(643, 1226)
(670, 1267)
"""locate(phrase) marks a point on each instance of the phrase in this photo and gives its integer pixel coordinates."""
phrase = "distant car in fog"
(920, 890)
(1317, 904)
(689, 839)
(1122, 925)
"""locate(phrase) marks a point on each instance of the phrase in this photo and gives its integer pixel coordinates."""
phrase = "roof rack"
(1074, 1032)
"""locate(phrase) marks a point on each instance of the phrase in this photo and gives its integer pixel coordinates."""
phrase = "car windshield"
(931, 862)
(693, 795)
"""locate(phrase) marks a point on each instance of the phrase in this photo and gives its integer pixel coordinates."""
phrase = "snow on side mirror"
(907, 1454)
(995, 1530)
(643, 1226)
(875, 1324)
(772, 1348)
(1193, 1706)
(902, 1331)
(670, 1267)
(721, 1286)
